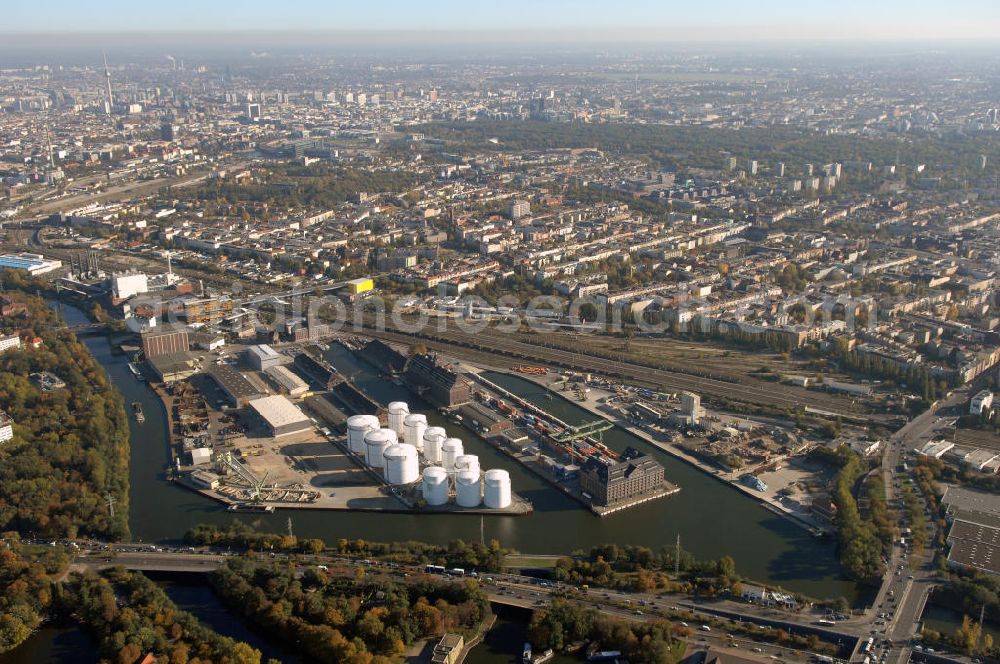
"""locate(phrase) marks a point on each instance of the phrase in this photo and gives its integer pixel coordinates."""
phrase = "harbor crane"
(255, 486)
(594, 428)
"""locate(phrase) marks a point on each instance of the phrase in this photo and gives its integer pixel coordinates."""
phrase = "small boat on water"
(250, 507)
(136, 372)
(544, 657)
(140, 417)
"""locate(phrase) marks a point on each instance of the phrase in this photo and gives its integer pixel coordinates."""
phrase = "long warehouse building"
(286, 381)
(282, 417)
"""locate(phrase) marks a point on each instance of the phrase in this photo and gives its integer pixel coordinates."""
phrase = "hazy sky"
(673, 19)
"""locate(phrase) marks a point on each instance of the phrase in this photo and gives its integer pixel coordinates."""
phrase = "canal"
(191, 593)
(504, 643)
(712, 518)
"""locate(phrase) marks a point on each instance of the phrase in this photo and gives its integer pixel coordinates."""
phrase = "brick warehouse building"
(633, 474)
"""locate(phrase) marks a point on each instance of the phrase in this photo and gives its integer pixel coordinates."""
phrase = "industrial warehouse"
(282, 417)
(257, 429)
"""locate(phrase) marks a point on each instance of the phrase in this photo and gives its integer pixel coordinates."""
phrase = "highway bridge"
(528, 593)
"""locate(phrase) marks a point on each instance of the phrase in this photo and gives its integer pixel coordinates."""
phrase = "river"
(712, 518)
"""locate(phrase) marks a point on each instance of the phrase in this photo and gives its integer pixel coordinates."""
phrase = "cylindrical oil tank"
(435, 485)
(412, 470)
(401, 464)
(433, 438)
(375, 444)
(468, 490)
(414, 426)
(451, 449)
(467, 462)
(357, 427)
(496, 488)
(397, 411)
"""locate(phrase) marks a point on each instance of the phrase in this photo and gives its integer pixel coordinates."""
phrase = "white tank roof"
(360, 421)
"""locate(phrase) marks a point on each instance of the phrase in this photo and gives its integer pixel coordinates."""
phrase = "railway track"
(490, 346)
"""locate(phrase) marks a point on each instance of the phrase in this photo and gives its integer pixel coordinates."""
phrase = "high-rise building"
(169, 131)
(517, 209)
(253, 111)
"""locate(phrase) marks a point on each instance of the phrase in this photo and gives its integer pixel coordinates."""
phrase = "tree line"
(332, 616)
(457, 553)
(71, 445)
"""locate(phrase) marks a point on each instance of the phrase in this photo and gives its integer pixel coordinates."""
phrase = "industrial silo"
(357, 427)
(468, 490)
(414, 426)
(451, 449)
(376, 443)
(398, 410)
(433, 438)
(496, 488)
(401, 464)
(467, 462)
(435, 485)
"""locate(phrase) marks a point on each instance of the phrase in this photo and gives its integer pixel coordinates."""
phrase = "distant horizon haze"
(554, 21)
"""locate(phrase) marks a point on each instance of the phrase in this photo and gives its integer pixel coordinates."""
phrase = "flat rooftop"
(279, 412)
(975, 532)
(232, 381)
(975, 555)
(968, 500)
(263, 351)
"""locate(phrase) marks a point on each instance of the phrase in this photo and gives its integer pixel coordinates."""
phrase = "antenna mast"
(107, 83)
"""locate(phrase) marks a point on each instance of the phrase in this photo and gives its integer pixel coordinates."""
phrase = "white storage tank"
(357, 427)
(401, 464)
(451, 449)
(468, 491)
(376, 443)
(467, 462)
(398, 410)
(433, 438)
(496, 488)
(435, 485)
(414, 426)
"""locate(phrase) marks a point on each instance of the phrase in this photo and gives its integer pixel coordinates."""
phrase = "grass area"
(677, 650)
(538, 562)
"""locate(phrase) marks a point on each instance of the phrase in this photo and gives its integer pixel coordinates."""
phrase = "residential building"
(6, 427)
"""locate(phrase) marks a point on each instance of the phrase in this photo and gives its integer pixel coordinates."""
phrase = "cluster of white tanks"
(396, 450)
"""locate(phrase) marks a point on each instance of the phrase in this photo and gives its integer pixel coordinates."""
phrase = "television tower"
(107, 83)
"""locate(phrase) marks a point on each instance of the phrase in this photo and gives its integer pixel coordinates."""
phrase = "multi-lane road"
(909, 579)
